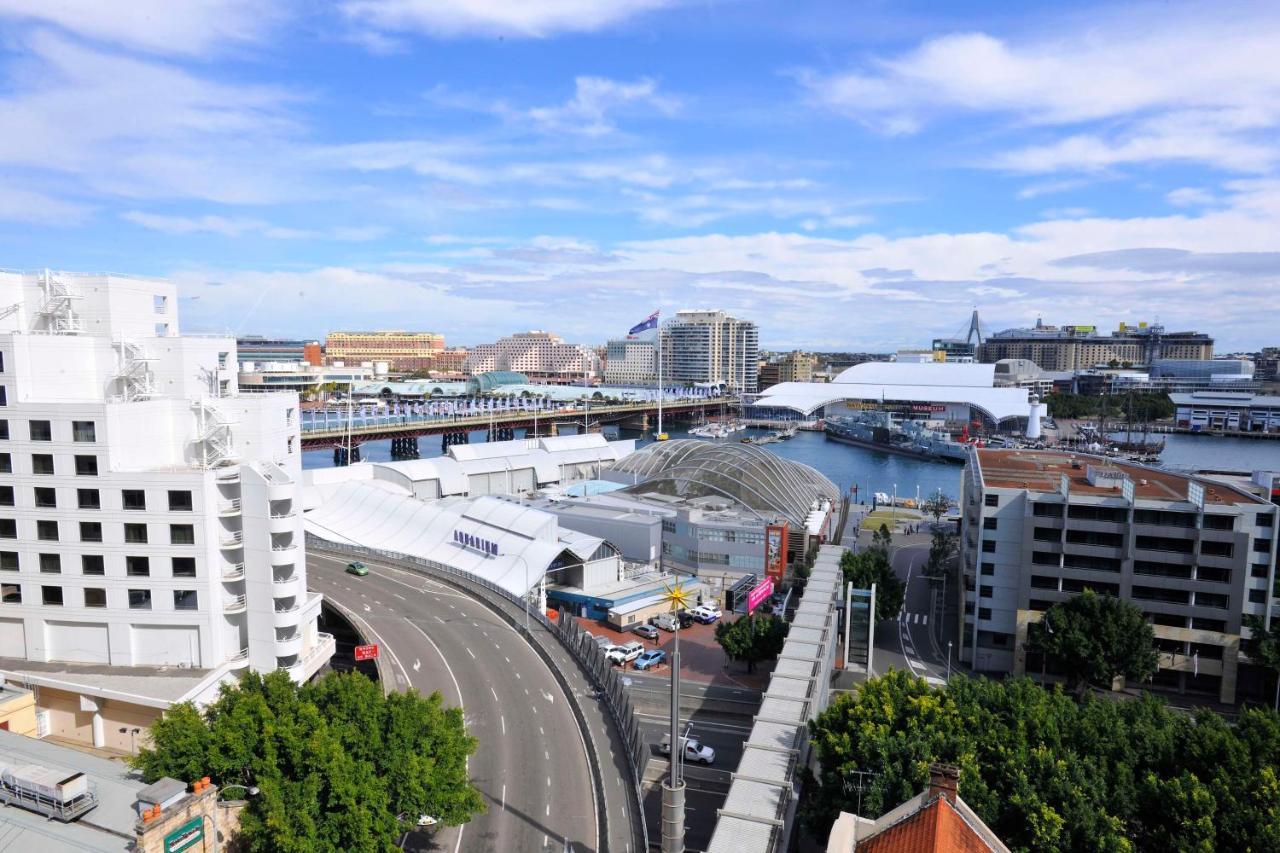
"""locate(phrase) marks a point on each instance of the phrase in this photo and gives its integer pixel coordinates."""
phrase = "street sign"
(757, 596)
(368, 652)
(184, 836)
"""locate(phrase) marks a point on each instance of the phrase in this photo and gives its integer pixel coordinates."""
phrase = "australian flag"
(650, 322)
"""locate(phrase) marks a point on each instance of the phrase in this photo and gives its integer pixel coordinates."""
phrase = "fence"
(570, 635)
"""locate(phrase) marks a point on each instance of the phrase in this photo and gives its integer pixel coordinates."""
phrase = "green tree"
(752, 638)
(1095, 638)
(882, 539)
(335, 761)
(938, 506)
(943, 545)
(1264, 648)
(872, 566)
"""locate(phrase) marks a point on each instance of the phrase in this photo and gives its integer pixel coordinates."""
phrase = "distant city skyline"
(850, 176)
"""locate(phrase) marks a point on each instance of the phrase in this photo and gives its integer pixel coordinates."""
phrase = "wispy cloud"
(521, 18)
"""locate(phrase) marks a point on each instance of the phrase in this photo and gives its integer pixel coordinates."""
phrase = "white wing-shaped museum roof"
(970, 384)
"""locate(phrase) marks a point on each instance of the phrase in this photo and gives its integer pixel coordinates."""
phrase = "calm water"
(871, 471)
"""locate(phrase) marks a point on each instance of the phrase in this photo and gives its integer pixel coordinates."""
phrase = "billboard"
(902, 407)
(775, 551)
(760, 594)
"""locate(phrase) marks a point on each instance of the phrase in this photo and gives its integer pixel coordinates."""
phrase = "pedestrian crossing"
(913, 618)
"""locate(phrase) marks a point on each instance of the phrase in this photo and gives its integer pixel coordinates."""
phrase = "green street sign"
(185, 836)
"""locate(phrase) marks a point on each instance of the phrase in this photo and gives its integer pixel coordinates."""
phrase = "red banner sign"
(775, 551)
(757, 596)
(368, 652)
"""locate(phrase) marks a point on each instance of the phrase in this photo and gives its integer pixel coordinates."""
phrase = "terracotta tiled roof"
(936, 828)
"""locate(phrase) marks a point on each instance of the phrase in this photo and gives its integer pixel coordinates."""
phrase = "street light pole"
(948, 661)
(893, 513)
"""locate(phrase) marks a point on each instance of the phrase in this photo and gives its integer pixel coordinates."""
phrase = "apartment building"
(631, 363)
(1196, 555)
(1081, 347)
(711, 347)
(260, 349)
(794, 366)
(151, 538)
(402, 351)
(538, 355)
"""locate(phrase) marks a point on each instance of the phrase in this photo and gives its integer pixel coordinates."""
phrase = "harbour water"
(873, 471)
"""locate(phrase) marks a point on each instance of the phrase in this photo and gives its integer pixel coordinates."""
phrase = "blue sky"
(851, 175)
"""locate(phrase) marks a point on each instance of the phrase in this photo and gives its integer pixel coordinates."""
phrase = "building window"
(139, 599)
(41, 463)
(184, 567)
(1257, 596)
(10, 593)
(288, 417)
(87, 466)
(93, 564)
(4, 396)
(988, 569)
(88, 499)
(184, 599)
(83, 431)
(51, 564)
(161, 303)
(47, 530)
(138, 567)
(182, 534)
(46, 496)
(668, 526)
(180, 501)
(8, 561)
(1259, 570)
(988, 546)
(985, 592)
(6, 463)
(989, 524)
(40, 430)
(288, 445)
(135, 534)
(1264, 520)
(4, 430)
(991, 500)
(51, 595)
(6, 495)
(984, 612)
(8, 528)
(95, 596)
(90, 531)
(134, 499)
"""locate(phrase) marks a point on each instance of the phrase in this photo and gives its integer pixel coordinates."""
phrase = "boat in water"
(881, 431)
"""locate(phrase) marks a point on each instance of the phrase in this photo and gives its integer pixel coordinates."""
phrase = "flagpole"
(659, 331)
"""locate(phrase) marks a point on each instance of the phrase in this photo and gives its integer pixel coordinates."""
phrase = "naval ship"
(880, 431)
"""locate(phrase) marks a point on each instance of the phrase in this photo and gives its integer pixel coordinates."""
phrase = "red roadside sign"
(757, 596)
(368, 652)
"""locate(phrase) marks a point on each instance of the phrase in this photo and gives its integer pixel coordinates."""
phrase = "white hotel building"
(151, 539)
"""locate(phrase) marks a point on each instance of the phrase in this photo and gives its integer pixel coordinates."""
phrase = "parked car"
(693, 750)
(666, 621)
(625, 653)
(647, 631)
(650, 659)
(706, 613)
(358, 569)
(685, 617)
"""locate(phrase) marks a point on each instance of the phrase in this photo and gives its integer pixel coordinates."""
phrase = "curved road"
(531, 764)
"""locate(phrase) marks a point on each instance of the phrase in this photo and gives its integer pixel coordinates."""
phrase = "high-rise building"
(151, 540)
(1196, 555)
(630, 362)
(259, 349)
(402, 351)
(794, 366)
(1081, 347)
(710, 347)
(538, 355)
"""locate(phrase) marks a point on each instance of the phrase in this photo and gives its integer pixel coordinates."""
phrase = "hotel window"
(135, 534)
(83, 431)
(989, 523)
(133, 499)
(95, 596)
(184, 567)
(87, 466)
(139, 599)
(90, 531)
(40, 430)
(41, 463)
(8, 561)
(51, 564)
(138, 567)
(184, 599)
(179, 500)
(93, 564)
(51, 595)
(1257, 596)
(6, 495)
(991, 500)
(4, 396)
(6, 463)
(182, 534)
(4, 430)
(46, 496)
(10, 593)
(8, 528)
(88, 499)
(988, 547)
(47, 531)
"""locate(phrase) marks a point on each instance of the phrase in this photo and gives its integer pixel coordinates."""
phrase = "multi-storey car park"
(151, 537)
(1195, 554)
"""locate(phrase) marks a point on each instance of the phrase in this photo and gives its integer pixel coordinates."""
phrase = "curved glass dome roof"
(751, 477)
(483, 383)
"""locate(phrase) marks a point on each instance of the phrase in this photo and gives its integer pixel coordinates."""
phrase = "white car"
(625, 653)
(706, 613)
(694, 751)
(425, 820)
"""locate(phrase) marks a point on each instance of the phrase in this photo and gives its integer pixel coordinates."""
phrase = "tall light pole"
(948, 661)
(673, 789)
(893, 513)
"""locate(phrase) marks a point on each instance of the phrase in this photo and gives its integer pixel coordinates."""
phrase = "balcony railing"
(232, 540)
(233, 604)
(233, 572)
(231, 507)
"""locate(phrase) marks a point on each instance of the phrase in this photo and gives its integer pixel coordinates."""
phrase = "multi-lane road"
(532, 764)
(910, 640)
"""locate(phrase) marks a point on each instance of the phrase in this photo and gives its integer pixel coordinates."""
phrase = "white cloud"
(587, 112)
(19, 205)
(521, 18)
(188, 27)
(231, 226)
(1190, 197)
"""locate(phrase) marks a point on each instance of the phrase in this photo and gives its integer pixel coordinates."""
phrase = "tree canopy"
(1094, 638)
(752, 638)
(1264, 647)
(872, 566)
(1146, 406)
(336, 761)
(1048, 773)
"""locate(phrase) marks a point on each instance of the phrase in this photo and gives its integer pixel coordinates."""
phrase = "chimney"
(944, 781)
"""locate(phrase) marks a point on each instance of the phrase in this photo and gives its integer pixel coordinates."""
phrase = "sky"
(851, 175)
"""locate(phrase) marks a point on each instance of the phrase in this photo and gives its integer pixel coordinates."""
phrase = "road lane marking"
(473, 654)
(417, 664)
(437, 618)
(504, 797)
(502, 719)
(495, 694)
(399, 596)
